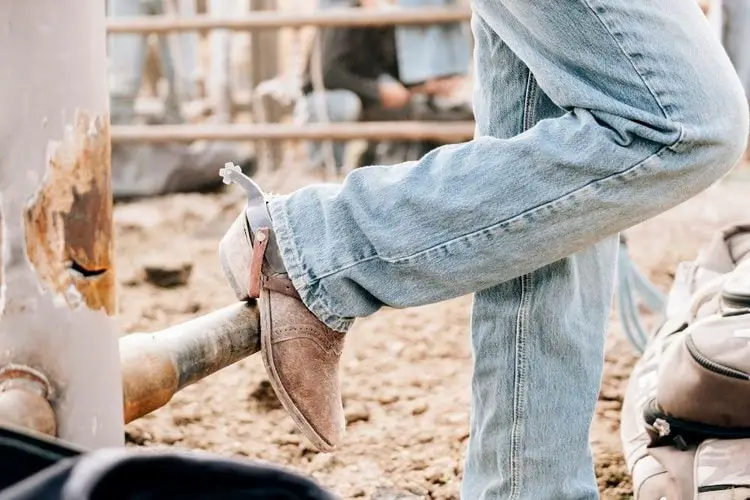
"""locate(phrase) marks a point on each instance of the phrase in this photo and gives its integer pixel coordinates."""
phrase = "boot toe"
(302, 360)
(312, 387)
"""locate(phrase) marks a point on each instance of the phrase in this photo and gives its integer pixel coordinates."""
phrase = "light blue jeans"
(429, 52)
(592, 116)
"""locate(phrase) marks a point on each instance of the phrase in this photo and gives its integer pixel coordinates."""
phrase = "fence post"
(58, 338)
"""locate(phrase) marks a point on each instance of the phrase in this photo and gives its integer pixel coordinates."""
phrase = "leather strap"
(281, 285)
(275, 282)
(260, 244)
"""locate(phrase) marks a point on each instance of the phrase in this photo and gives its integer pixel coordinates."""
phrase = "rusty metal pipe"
(24, 400)
(155, 366)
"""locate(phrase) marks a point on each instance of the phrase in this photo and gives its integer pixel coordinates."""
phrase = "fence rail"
(264, 20)
(273, 20)
(407, 130)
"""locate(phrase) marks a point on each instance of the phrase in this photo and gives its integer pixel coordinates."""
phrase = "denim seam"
(628, 57)
(529, 98)
(509, 221)
(519, 388)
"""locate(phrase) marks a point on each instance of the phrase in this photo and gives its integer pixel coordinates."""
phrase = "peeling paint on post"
(68, 224)
(56, 208)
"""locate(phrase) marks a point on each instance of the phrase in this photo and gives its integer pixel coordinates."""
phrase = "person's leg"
(736, 38)
(341, 106)
(652, 114)
(127, 53)
(538, 339)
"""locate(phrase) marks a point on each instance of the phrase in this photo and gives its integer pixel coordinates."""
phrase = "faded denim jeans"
(592, 116)
(429, 52)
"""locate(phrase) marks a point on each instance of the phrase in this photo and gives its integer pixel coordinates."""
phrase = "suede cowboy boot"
(300, 353)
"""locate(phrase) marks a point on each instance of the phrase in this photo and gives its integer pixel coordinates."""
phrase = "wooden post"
(57, 266)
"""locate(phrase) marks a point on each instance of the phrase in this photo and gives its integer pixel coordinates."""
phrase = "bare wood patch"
(68, 223)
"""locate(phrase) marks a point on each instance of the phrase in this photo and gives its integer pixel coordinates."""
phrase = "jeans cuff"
(309, 288)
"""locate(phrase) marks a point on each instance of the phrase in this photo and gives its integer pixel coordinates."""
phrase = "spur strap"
(276, 282)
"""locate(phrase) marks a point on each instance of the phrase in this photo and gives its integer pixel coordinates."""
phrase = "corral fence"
(273, 89)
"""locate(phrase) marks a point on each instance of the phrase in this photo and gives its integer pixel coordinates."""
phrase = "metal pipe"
(24, 402)
(260, 20)
(155, 366)
(415, 130)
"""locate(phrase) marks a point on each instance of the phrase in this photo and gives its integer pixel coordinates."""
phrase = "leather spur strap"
(260, 244)
(281, 285)
(277, 283)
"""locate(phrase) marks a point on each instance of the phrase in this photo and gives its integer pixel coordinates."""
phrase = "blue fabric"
(591, 116)
(428, 52)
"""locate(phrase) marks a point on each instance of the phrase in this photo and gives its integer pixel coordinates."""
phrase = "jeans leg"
(737, 38)
(654, 114)
(127, 54)
(537, 340)
(341, 106)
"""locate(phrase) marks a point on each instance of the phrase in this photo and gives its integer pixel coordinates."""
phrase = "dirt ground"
(405, 373)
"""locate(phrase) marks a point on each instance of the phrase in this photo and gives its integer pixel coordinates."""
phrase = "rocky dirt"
(405, 373)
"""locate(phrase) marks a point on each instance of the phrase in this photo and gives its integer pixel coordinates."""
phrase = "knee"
(720, 134)
(714, 134)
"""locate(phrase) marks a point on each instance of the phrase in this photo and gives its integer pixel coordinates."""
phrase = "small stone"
(435, 475)
(167, 273)
(170, 436)
(419, 408)
(418, 464)
(387, 399)
(185, 418)
(358, 413)
(425, 438)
